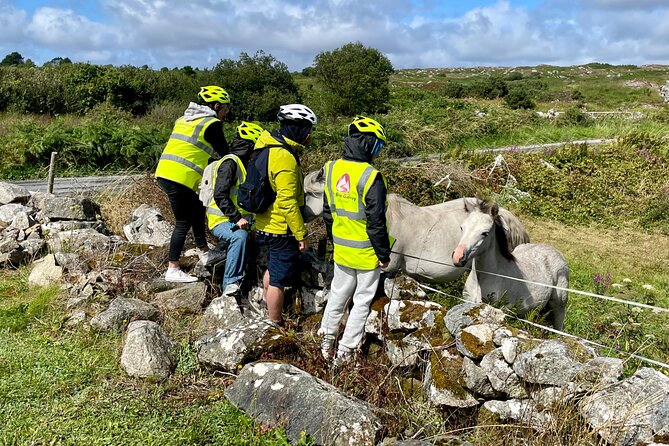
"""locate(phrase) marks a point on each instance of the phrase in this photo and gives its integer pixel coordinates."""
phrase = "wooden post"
(52, 171)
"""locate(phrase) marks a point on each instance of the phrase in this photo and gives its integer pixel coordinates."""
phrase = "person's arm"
(225, 179)
(375, 212)
(283, 167)
(214, 135)
(327, 215)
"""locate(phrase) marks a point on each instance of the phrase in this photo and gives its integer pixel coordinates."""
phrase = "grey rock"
(45, 272)
(283, 395)
(477, 380)
(54, 227)
(443, 380)
(522, 411)
(403, 287)
(226, 349)
(501, 375)
(65, 208)
(72, 262)
(189, 298)
(313, 300)
(121, 312)
(9, 211)
(147, 351)
(551, 363)
(13, 193)
(407, 315)
(76, 318)
(78, 240)
(223, 312)
(407, 351)
(631, 411)
(22, 221)
(467, 313)
(148, 227)
(475, 341)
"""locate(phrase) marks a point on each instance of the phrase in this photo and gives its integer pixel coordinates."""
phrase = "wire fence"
(549, 329)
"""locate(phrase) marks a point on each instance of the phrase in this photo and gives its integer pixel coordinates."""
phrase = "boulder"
(9, 211)
(13, 193)
(632, 411)
(223, 312)
(552, 362)
(55, 207)
(148, 227)
(188, 297)
(227, 349)
(45, 271)
(281, 395)
(147, 351)
(78, 240)
(121, 312)
(467, 313)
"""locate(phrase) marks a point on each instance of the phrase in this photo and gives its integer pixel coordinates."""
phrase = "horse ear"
(321, 174)
(494, 210)
(470, 204)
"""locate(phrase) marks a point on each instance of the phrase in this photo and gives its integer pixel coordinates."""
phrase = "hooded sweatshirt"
(226, 177)
(214, 133)
(358, 147)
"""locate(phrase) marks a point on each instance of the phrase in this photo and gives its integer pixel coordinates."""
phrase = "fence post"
(52, 171)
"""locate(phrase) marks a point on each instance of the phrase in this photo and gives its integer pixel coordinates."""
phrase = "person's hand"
(243, 223)
(383, 265)
(304, 244)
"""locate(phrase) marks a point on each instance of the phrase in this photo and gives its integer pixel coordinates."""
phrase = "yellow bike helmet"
(362, 124)
(213, 93)
(249, 130)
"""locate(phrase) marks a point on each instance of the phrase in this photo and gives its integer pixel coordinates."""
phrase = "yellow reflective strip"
(182, 161)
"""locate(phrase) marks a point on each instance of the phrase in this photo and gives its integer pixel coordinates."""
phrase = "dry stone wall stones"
(189, 298)
(406, 351)
(466, 314)
(121, 312)
(45, 271)
(522, 411)
(9, 211)
(477, 380)
(475, 341)
(410, 315)
(282, 395)
(664, 92)
(148, 227)
(78, 240)
(13, 193)
(403, 287)
(632, 411)
(443, 381)
(228, 348)
(223, 312)
(147, 351)
(501, 375)
(313, 300)
(552, 362)
(65, 208)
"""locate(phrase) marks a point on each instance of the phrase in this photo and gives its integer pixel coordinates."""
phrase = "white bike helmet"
(297, 112)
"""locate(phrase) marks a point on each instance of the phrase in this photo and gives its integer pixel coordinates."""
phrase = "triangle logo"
(344, 184)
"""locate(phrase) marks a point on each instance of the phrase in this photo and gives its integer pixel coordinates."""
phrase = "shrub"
(258, 84)
(355, 79)
(491, 87)
(574, 116)
(454, 90)
(519, 98)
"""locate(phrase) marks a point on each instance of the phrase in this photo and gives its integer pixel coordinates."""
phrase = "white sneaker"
(231, 289)
(342, 358)
(176, 275)
(212, 256)
(327, 346)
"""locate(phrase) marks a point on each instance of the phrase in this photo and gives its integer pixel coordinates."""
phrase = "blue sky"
(412, 33)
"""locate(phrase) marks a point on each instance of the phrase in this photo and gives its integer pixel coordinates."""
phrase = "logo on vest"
(344, 184)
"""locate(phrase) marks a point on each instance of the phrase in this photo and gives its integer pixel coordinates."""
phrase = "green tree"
(519, 98)
(355, 79)
(258, 85)
(58, 61)
(14, 58)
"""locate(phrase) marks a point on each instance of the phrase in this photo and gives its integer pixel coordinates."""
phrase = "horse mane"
(491, 208)
(514, 231)
(397, 204)
(314, 182)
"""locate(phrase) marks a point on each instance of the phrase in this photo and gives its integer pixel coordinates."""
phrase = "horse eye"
(485, 234)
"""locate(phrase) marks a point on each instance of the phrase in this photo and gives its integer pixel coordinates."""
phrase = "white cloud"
(413, 34)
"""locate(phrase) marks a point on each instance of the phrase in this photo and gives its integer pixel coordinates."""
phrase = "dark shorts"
(282, 259)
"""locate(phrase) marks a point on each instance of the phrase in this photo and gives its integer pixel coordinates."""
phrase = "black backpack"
(255, 194)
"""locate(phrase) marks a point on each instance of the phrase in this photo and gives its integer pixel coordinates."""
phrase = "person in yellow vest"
(227, 221)
(196, 136)
(354, 211)
(281, 227)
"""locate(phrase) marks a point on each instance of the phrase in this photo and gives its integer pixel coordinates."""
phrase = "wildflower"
(627, 280)
(647, 286)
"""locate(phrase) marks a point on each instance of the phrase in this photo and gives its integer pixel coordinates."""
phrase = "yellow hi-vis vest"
(214, 215)
(346, 185)
(186, 153)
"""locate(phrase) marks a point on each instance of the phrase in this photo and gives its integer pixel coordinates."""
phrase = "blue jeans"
(236, 257)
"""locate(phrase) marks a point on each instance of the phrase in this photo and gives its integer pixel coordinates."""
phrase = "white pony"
(485, 241)
(426, 236)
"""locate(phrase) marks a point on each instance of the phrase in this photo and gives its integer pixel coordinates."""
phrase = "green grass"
(65, 387)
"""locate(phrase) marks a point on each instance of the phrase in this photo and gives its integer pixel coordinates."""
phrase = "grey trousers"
(349, 283)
